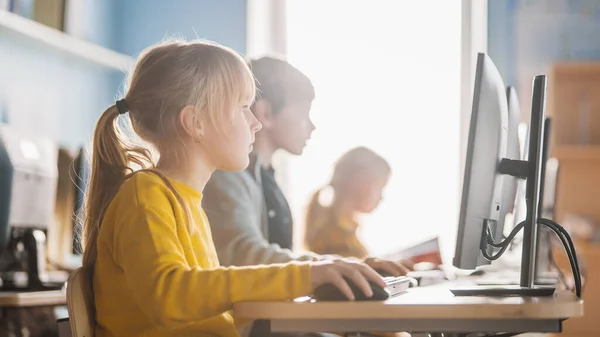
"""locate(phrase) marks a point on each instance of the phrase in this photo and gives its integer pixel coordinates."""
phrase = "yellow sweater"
(154, 277)
(333, 234)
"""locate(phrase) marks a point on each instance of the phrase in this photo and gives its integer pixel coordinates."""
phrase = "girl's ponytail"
(314, 211)
(112, 156)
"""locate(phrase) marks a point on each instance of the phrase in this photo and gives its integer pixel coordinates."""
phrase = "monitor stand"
(33, 262)
(514, 282)
(504, 291)
(34, 241)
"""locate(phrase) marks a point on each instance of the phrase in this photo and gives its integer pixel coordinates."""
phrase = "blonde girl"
(358, 180)
(148, 246)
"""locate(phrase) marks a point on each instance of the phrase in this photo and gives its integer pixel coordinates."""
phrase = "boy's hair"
(357, 162)
(166, 78)
(280, 83)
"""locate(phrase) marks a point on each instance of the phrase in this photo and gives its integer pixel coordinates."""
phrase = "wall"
(501, 37)
(141, 23)
(526, 36)
(144, 22)
(45, 94)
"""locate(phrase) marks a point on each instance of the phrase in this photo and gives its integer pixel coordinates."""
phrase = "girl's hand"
(408, 264)
(334, 272)
(387, 267)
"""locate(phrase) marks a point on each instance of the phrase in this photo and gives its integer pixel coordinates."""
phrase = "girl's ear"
(263, 112)
(191, 124)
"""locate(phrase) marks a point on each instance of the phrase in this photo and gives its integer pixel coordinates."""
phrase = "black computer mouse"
(329, 292)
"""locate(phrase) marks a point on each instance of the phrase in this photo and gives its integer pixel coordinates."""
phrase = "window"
(387, 76)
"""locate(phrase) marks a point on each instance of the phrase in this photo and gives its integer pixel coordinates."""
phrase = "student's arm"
(173, 294)
(235, 221)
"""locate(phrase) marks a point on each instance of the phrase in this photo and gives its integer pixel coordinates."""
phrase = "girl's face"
(369, 193)
(229, 146)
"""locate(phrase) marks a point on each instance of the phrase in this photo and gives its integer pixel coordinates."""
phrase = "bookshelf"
(577, 152)
(55, 85)
(574, 105)
(25, 30)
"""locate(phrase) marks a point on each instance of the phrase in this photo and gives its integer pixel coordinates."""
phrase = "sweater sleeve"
(235, 223)
(172, 293)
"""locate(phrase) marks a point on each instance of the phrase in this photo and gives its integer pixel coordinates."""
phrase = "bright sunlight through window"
(387, 76)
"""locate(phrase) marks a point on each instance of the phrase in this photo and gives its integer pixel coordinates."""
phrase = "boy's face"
(291, 127)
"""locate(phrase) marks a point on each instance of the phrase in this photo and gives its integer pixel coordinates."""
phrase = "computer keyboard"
(396, 285)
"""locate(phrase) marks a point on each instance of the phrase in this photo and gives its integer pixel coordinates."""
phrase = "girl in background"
(358, 180)
(148, 247)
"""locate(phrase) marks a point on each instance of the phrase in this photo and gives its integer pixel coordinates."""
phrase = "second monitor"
(485, 169)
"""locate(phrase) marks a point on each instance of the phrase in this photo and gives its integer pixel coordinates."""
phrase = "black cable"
(551, 223)
(569, 247)
(553, 264)
(492, 241)
(567, 244)
(508, 239)
(502, 245)
(561, 233)
(572, 261)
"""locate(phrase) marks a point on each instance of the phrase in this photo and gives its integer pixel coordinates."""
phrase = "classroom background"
(391, 75)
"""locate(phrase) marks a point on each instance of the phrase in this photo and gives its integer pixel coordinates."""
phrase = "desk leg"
(4, 323)
(10, 323)
(27, 322)
(20, 330)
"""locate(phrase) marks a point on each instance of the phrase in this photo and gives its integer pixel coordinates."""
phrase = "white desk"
(425, 309)
(32, 299)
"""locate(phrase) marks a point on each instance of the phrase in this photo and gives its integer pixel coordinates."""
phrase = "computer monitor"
(61, 233)
(485, 167)
(28, 176)
(535, 166)
(73, 176)
(482, 183)
(548, 204)
(28, 182)
(548, 182)
(513, 151)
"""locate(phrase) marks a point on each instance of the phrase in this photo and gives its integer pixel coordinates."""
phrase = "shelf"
(577, 152)
(14, 25)
(575, 68)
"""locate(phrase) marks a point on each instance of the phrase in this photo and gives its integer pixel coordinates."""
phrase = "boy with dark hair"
(250, 218)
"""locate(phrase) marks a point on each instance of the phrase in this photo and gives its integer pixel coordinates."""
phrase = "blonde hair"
(355, 163)
(167, 77)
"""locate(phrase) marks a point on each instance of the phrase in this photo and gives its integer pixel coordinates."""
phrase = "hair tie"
(122, 106)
